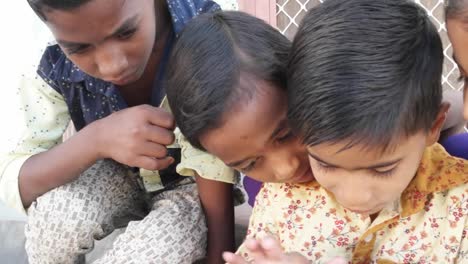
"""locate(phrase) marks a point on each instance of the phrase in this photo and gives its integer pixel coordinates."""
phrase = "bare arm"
(57, 166)
(135, 136)
(217, 201)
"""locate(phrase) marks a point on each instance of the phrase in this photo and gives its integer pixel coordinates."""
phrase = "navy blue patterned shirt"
(88, 98)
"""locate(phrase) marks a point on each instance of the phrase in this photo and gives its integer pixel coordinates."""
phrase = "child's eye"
(285, 137)
(325, 166)
(384, 173)
(249, 167)
(78, 50)
(126, 34)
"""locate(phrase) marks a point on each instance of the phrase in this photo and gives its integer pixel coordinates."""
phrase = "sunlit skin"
(457, 29)
(108, 40)
(254, 138)
(365, 179)
(121, 43)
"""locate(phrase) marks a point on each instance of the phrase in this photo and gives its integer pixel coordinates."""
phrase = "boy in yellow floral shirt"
(364, 94)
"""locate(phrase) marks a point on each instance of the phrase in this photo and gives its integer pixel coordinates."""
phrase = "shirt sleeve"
(262, 221)
(37, 125)
(228, 4)
(196, 162)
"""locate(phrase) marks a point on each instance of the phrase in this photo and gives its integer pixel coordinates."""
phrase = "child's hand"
(136, 136)
(268, 251)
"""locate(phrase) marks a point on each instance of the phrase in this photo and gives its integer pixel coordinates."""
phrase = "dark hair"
(364, 70)
(39, 5)
(208, 60)
(454, 8)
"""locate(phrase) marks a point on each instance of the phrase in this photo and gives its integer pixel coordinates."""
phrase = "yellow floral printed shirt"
(427, 225)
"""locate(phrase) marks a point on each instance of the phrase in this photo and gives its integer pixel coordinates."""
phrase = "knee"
(60, 236)
(64, 219)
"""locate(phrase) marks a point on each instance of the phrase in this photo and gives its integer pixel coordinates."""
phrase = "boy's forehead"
(93, 16)
(362, 154)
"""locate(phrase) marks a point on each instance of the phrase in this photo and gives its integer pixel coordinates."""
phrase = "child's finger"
(232, 258)
(255, 248)
(272, 248)
(252, 244)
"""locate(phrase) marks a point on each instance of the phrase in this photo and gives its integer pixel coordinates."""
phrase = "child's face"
(365, 181)
(458, 34)
(109, 40)
(256, 139)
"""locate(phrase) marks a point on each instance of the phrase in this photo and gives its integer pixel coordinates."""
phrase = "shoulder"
(195, 162)
(54, 67)
(51, 58)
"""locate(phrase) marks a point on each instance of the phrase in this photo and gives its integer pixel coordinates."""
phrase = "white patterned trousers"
(64, 223)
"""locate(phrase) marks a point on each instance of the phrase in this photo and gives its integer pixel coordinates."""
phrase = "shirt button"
(369, 238)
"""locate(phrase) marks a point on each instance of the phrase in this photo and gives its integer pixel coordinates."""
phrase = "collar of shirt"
(438, 172)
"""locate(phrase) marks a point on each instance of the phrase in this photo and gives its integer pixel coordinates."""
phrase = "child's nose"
(284, 166)
(112, 64)
(354, 196)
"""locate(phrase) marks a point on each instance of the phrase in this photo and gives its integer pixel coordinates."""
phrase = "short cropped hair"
(39, 5)
(366, 71)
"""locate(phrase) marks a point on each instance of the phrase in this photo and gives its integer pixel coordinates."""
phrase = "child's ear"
(434, 133)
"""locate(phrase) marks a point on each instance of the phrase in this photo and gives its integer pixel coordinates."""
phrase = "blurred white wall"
(23, 38)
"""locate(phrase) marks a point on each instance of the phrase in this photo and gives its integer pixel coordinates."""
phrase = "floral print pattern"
(427, 225)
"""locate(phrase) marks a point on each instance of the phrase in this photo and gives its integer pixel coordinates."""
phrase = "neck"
(145, 84)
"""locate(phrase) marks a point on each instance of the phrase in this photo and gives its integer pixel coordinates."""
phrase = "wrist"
(92, 135)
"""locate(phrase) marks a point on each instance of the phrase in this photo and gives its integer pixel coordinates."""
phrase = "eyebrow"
(281, 125)
(375, 166)
(130, 22)
(237, 163)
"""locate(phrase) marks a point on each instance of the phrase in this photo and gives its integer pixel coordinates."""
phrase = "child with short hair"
(232, 103)
(364, 95)
(126, 161)
(456, 12)
(453, 137)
